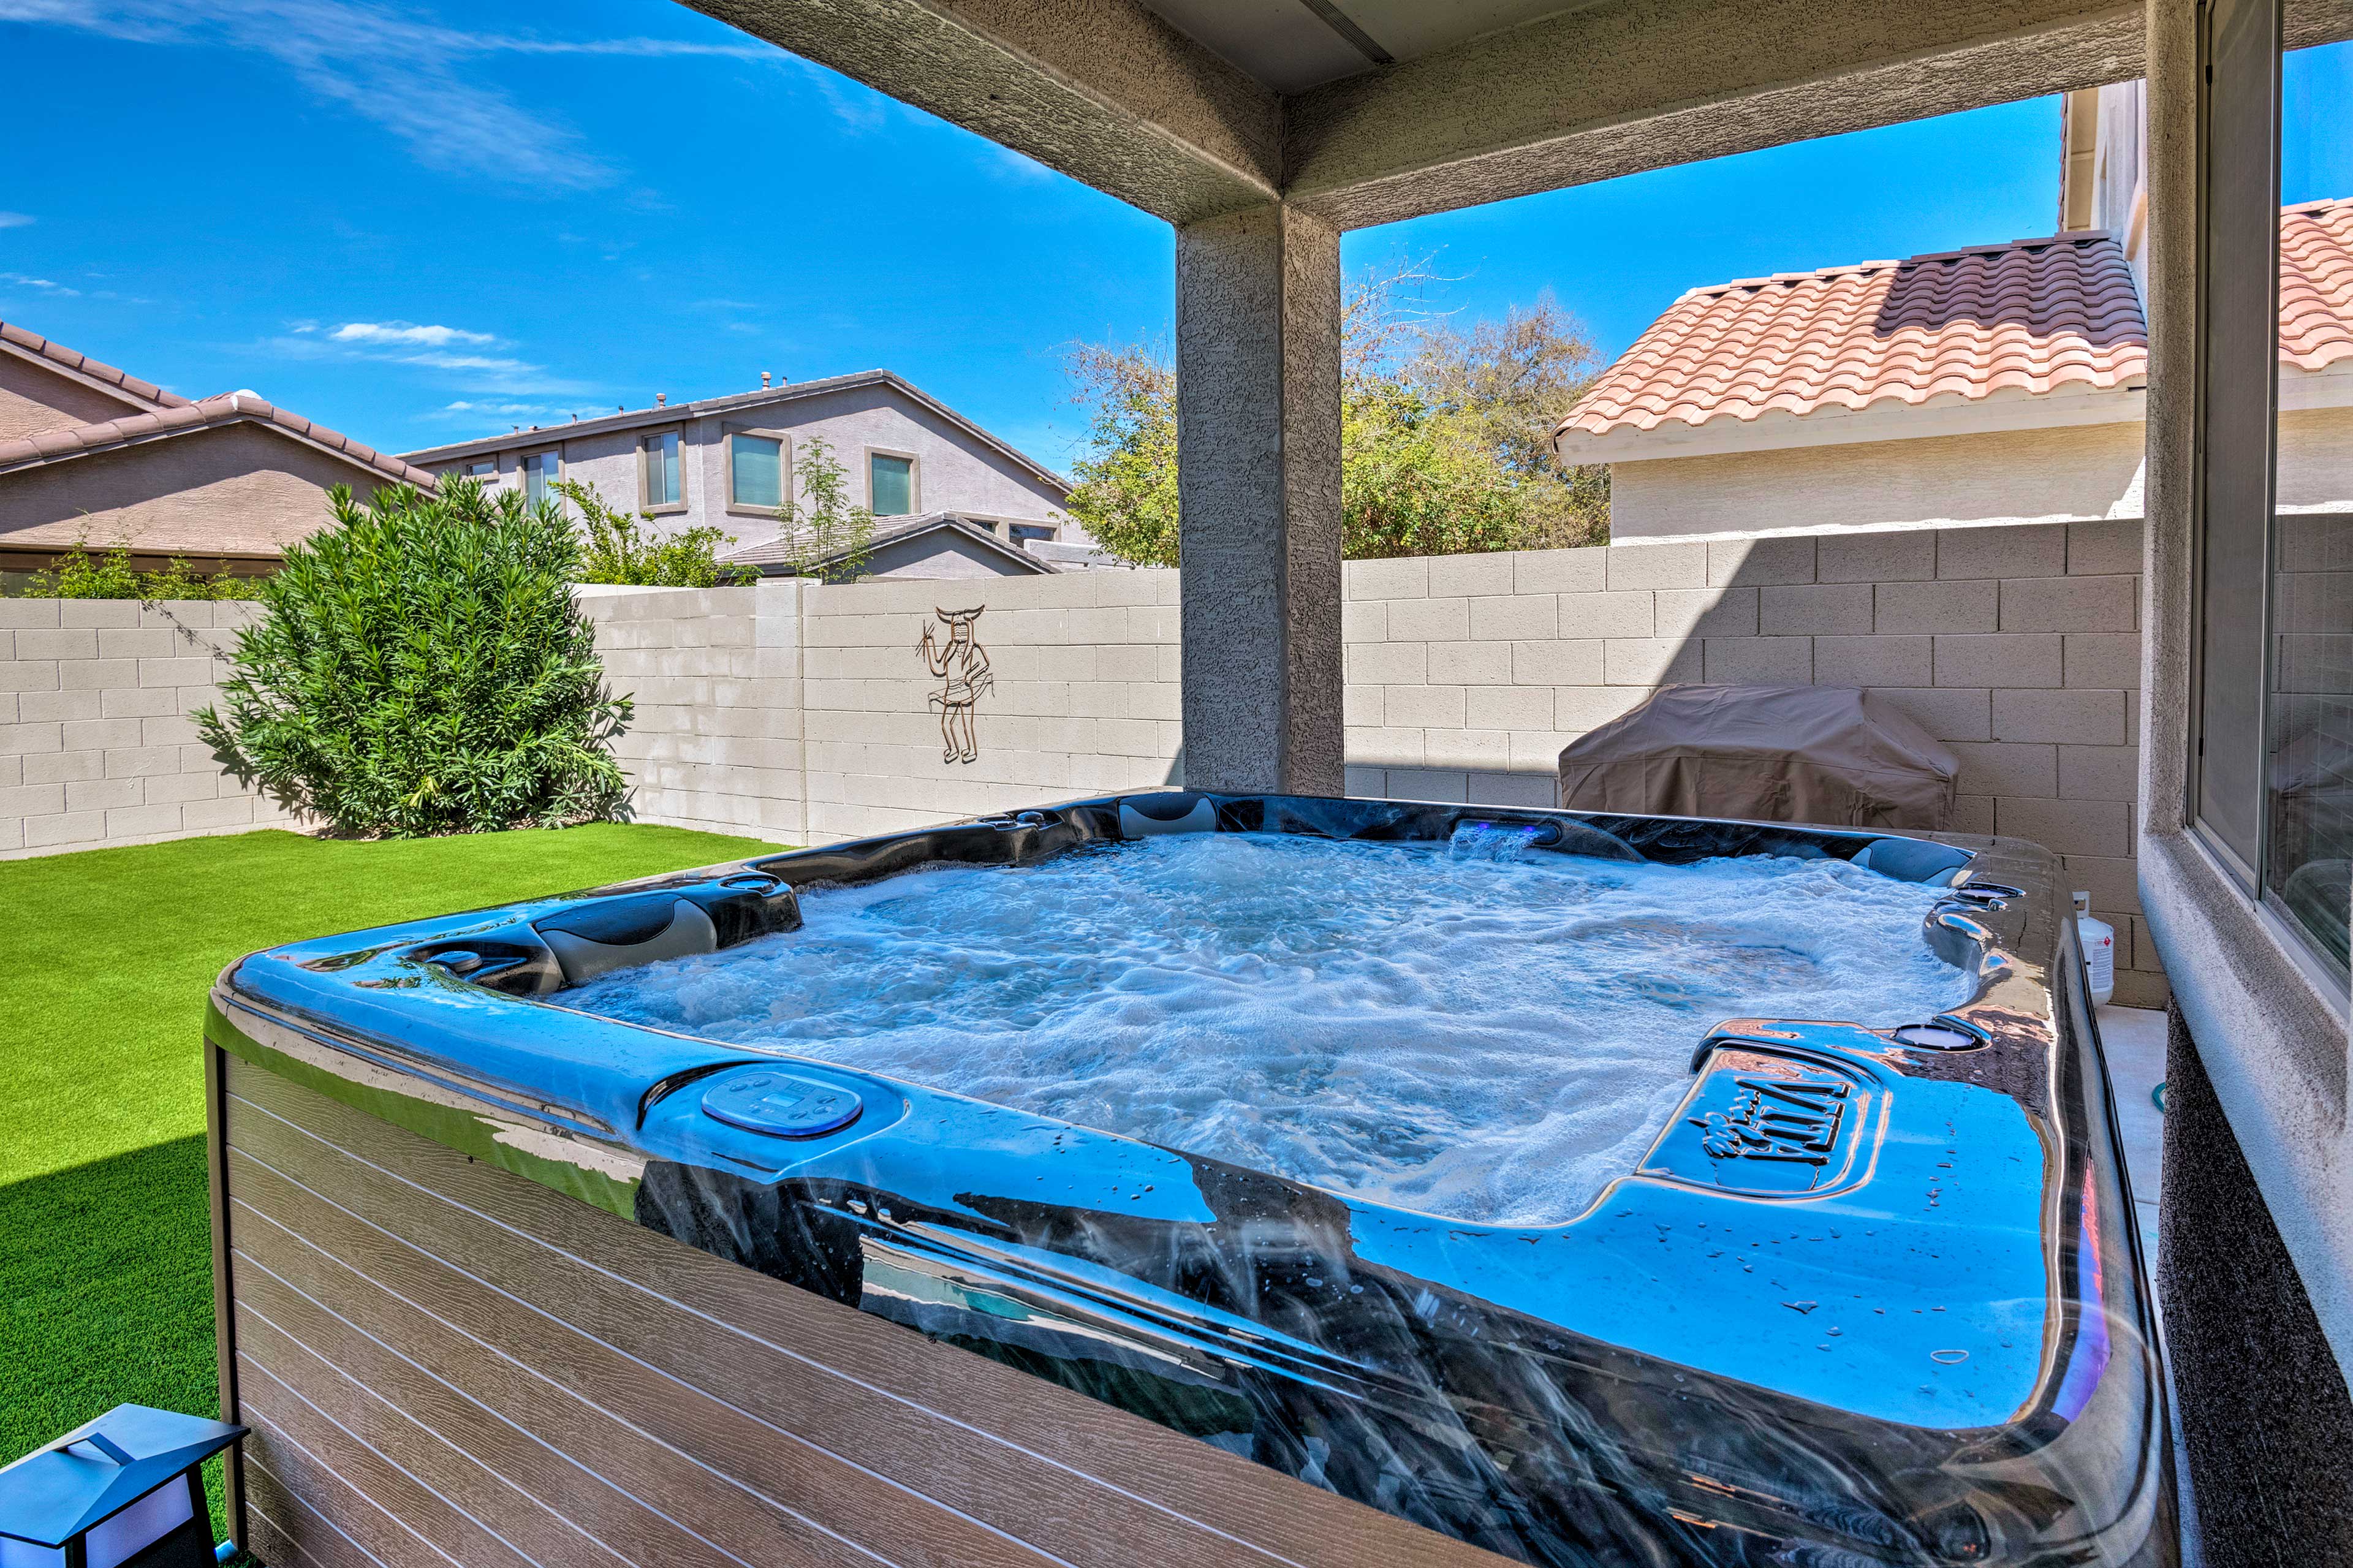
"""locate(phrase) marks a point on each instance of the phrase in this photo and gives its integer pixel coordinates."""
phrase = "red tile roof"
(2316, 283)
(96, 370)
(2026, 318)
(181, 416)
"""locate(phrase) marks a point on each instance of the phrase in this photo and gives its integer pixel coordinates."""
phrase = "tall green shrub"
(421, 669)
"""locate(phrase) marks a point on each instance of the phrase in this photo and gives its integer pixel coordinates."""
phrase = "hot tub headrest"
(1914, 860)
(1146, 816)
(605, 935)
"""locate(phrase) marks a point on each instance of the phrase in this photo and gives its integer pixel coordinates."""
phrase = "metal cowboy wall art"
(963, 668)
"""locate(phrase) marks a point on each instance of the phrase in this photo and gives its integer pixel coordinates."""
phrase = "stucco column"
(1258, 445)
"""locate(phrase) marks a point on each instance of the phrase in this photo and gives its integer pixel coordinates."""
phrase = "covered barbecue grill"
(1830, 754)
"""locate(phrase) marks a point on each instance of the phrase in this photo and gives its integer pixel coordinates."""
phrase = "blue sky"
(430, 223)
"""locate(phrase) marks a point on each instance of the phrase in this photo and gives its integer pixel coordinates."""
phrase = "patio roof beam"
(1101, 89)
(1626, 86)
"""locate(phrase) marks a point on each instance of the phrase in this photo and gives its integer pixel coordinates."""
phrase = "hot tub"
(1262, 1178)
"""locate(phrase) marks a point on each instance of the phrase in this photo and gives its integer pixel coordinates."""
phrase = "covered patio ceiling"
(1189, 109)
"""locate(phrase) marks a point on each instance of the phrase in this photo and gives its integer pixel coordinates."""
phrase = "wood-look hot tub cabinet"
(502, 1281)
(444, 1361)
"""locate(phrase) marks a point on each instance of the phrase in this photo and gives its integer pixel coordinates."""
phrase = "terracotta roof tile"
(68, 358)
(2026, 318)
(2317, 284)
(229, 408)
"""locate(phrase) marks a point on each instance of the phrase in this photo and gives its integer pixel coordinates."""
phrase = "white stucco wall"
(2075, 474)
(2082, 473)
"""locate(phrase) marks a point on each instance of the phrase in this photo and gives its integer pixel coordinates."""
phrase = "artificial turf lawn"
(105, 1247)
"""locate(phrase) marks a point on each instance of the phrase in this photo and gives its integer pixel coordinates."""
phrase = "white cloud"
(404, 333)
(468, 410)
(419, 81)
(14, 220)
(465, 371)
(46, 285)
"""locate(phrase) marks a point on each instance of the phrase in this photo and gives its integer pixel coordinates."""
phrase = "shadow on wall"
(2016, 646)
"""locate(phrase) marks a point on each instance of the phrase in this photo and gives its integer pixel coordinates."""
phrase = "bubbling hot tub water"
(1464, 1030)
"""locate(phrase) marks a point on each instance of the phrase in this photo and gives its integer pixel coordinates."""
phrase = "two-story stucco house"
(735, 462)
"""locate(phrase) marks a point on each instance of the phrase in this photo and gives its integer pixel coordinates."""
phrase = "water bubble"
(1277, 1001)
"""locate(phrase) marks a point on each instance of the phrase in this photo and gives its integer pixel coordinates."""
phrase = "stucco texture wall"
(952, 472)
(2067, 474)
(2078, 473)
(33, 398)
(233, 489)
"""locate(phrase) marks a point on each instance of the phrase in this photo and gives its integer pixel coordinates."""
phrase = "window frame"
(914, 480)
(2228, 295)
(523, 470)
(467, 469)
(784, 440)
(646, 449)
(2232, 291)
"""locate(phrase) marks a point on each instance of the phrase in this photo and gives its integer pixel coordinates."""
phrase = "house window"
(1023, 533)
(756, 471)
(2271, 765)
(539, 472)
(891, 482)
(483, 469)
(660, 473)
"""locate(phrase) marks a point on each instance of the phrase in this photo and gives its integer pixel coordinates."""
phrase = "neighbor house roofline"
(182, 418)
(2034, 335)
(97, 375)
(671, 414)
(777, 558)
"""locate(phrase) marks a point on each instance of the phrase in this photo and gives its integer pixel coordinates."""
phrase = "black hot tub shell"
(1873, 1295)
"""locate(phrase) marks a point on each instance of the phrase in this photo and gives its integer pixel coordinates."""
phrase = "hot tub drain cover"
(781, 1105)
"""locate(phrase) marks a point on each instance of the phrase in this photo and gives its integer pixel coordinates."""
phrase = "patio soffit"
(1189, 109)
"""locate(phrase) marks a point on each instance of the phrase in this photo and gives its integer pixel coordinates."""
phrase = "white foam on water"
(1483, 1037)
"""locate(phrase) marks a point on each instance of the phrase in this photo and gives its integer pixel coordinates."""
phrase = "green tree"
(420, 667)
(823, 523)
(1445, 434)
(614, 549)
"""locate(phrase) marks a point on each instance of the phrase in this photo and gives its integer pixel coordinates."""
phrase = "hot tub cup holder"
(1013, 821)
(1940, 1034)
(1988, 895)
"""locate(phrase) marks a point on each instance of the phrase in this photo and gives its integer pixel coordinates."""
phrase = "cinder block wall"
(2018, 647)
(1082, 696)
(96, 745)
(803, 713)
(715, 740)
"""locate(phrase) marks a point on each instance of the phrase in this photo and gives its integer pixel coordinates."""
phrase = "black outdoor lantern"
(124, 1491)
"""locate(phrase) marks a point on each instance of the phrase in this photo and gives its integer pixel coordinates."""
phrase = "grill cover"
(1830, 754)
